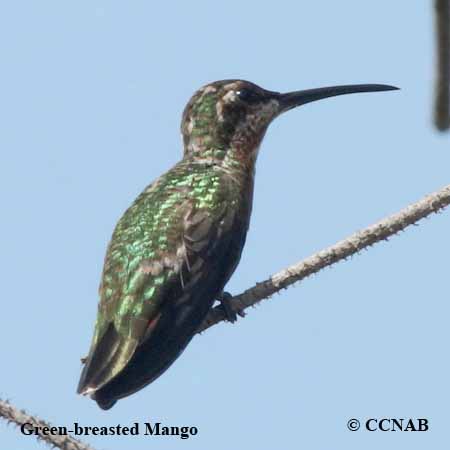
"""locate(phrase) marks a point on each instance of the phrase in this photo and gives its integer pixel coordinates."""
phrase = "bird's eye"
(247, 95)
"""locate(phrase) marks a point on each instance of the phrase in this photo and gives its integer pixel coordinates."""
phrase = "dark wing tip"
(83, 385)
(97, 394)
(98, 366)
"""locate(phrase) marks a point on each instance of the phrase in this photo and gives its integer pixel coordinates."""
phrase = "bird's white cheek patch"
(230, 96)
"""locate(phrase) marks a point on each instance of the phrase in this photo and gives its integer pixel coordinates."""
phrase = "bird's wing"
(158, 248)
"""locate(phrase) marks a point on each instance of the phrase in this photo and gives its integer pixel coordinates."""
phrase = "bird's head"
(234, 115)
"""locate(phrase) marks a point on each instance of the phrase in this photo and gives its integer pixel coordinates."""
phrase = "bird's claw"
(230, 313)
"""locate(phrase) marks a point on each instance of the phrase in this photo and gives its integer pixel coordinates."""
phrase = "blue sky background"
(91, 98)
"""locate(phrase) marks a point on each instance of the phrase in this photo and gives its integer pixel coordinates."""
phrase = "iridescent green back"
(146, 249)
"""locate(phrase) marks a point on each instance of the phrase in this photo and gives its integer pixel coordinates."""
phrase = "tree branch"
(442, 91)
(20, 418)
(381, 230)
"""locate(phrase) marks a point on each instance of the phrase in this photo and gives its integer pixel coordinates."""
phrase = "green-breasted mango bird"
(177, 245)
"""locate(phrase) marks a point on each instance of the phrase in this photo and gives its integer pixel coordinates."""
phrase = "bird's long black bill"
(297, 98)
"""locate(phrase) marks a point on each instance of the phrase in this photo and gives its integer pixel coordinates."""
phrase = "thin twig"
(331, 255)
(22, 419)
(442, 112)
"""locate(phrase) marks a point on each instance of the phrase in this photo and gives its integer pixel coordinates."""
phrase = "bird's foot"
(230, 314)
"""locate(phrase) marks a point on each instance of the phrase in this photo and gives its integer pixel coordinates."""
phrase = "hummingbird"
(175, 248)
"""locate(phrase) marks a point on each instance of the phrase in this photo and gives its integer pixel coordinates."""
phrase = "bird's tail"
(105, 360)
